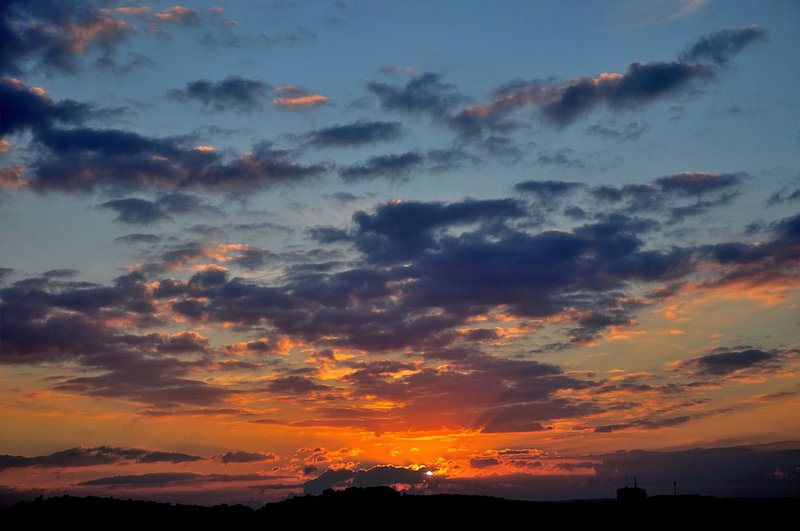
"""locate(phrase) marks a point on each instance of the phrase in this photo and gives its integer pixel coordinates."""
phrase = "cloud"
(696, 183)
(247, 457)
(232, 93)
(644, 424)
(611, 130)
(81, 456)
(548, 190)
(53, 36)
(706, 191)
(724, 363)
(30, 108)
(372, 477)
(140, 211)
(641, 83)
(84, 159)
(137, 238)
(132, 210)
(295, 98)
(562, 104)
(400, 229)
(295, 386)
(419, 277)
(13, 177)
(177, 14)
(721, 46)
(450, 159)
(155, 479)
(355, 134)
(424, 94)
(383, 166)
(483, 462)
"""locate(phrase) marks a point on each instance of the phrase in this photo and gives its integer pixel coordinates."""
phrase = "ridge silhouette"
(371, 507)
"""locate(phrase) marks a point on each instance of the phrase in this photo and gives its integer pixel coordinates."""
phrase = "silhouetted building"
(628, 494)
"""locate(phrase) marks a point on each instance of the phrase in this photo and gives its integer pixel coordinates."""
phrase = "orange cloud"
(132, 11)
(296, 98)
(12, 177)
(79, 37)
(175, 14)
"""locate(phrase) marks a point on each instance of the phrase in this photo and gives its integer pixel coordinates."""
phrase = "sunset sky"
(252, 250)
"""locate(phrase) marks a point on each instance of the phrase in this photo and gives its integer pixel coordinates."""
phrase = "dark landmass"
(361, 508)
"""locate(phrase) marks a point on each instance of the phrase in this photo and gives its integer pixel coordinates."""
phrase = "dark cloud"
(373, 477)
(725, 362)
(784, 195)
(748, 469)
(136, 211)
(562, 104)
(691, 184)
(502, 147)
(705, 191)
(29, 108)
(327, 480)
(328, 234)
(102, 455)
(721, 46)
(140, 211)
(383, 166)
(456, 262)
(137, 238)
(51, 35)
(355, 134)
(232, 93)
(5, 272)
(157, 479)
(561, 157)
(145, 385)
(483, 462)
(644, 424)
(295, 385)
(402, 228)
(639, 84)
(424, 94)
(61, 273)
(548, 190)
(246, 457)
(85, 159)
(451, 159)
(630, 131)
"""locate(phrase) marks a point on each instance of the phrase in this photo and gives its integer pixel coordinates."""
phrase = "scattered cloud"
(382, 166)
(232, 93)
(295, 98)
(721, 46)
(355, 134)
(81, 456)
(424, 94)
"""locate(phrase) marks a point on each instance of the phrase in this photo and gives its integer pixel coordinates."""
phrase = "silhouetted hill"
(361, 508)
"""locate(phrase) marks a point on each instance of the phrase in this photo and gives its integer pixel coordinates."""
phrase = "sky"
(251, 250)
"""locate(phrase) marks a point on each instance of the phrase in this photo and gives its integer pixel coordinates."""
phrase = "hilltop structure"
(628, 494)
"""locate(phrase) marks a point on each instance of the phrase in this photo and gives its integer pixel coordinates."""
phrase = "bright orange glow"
(301, 102)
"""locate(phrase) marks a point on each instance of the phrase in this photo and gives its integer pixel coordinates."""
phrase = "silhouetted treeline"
(378, 507)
